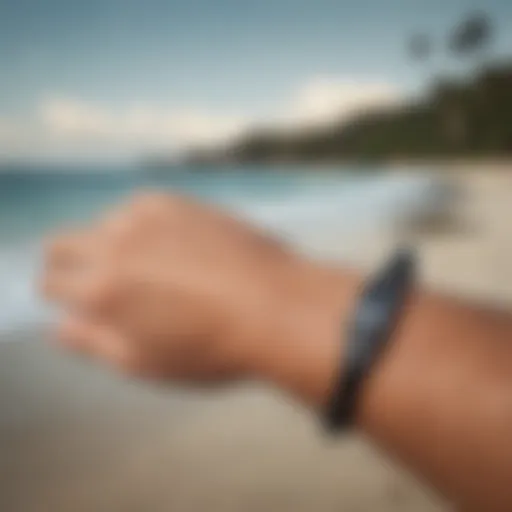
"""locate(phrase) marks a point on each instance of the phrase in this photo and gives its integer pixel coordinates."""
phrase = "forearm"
(440, 398)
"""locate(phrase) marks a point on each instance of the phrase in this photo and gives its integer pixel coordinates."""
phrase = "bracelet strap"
(381, 302)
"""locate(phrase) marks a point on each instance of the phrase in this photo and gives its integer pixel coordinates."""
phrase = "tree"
(472, 35)
(470, 38)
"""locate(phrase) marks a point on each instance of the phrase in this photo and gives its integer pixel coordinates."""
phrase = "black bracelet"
(382, 300)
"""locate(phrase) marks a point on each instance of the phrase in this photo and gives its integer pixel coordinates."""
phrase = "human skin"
(166, 288)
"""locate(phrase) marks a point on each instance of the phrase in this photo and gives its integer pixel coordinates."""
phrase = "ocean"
(308, 207)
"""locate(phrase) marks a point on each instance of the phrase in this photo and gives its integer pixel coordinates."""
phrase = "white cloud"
(324, 100)
(72, 127)
(145, 126)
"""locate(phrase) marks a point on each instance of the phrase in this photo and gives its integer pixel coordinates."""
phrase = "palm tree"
(472, 36)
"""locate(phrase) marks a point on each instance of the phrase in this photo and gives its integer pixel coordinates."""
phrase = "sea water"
(300, 205)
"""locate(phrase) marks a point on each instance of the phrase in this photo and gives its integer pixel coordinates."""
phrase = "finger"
(76, 333)
(87, 336)
(68, 250)
(90, 288)
(73, 268)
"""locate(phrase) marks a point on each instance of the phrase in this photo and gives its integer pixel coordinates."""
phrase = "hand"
(168, 288)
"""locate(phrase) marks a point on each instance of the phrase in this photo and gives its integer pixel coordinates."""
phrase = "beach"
(75, 438)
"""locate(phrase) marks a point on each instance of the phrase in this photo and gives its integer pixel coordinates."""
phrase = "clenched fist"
(169, 288)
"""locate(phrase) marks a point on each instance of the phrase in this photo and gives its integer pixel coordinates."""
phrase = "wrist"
(306, 336)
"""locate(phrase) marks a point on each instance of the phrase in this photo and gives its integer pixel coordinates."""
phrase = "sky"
(114, 79)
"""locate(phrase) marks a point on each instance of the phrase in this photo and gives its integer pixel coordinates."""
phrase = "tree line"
(456, 117)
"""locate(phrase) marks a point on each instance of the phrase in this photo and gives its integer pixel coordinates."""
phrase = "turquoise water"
(297, 205)
(33, 202)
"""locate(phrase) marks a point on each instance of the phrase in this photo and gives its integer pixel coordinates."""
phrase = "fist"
(168, 288)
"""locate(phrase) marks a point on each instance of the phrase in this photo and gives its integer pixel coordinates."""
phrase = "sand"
(75, 438)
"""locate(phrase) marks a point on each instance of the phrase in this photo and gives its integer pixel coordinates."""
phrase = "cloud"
(325, 100)
(71, 127)
(146, 126)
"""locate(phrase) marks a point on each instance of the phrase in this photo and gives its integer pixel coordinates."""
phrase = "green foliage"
(474, 118)
(470, 119)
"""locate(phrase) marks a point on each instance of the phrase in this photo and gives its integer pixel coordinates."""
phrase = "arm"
(440, 399)
(169, 289)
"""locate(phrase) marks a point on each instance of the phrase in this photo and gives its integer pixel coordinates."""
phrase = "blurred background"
(345, 127)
